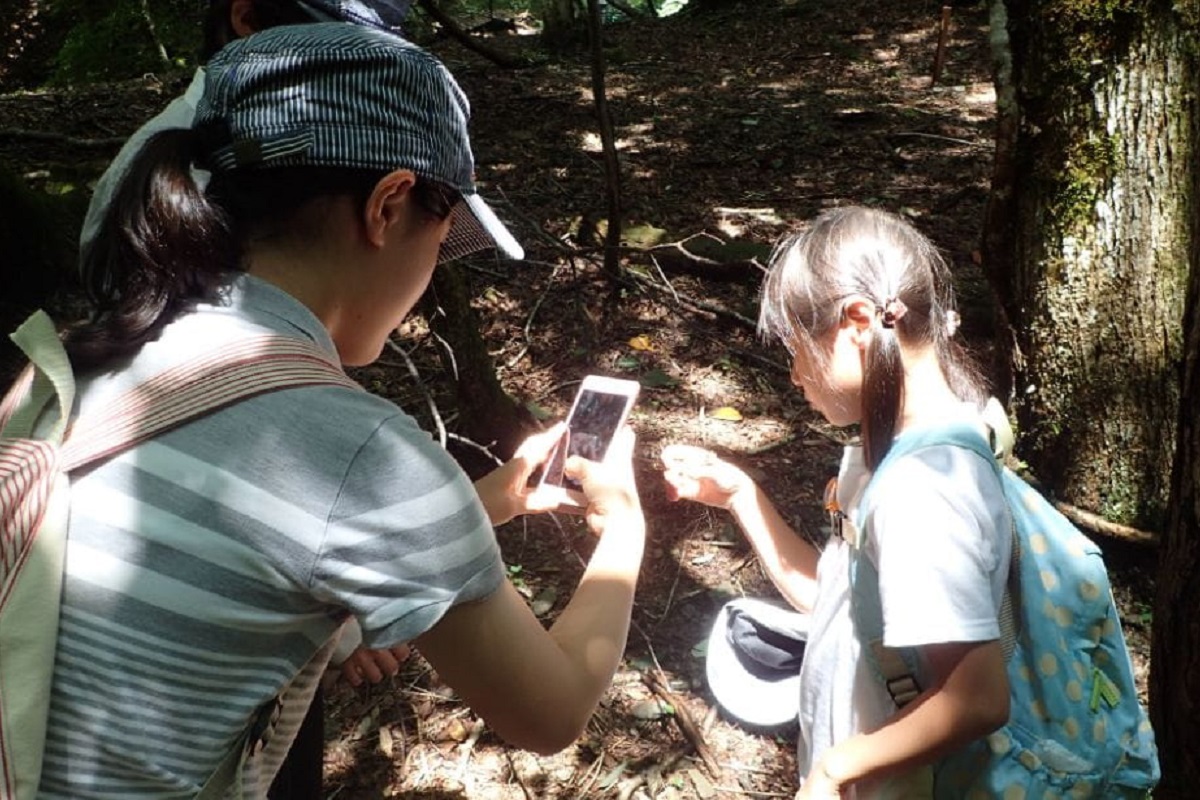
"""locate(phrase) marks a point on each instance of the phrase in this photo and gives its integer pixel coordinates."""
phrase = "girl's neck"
(927, 395)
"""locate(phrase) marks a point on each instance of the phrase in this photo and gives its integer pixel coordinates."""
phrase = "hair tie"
(953, 321)
(892, 311)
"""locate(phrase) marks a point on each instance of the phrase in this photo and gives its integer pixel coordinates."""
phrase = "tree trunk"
(489, 416)
(608, 141)
(562, 24)
(1175, 649)
(1088, 231)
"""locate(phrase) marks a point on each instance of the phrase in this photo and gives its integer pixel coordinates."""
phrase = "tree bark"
(561, 24)
(1087, 243)
(1175, 647)
(612, 166)
(489, 415)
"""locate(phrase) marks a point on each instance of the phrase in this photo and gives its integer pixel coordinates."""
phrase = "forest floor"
(734, 127)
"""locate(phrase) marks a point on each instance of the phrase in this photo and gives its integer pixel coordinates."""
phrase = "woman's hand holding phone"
(504, 490)
(609, 486)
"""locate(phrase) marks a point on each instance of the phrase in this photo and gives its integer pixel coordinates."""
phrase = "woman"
(209, 569)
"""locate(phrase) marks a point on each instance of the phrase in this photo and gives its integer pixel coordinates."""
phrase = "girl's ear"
(388, 204)
(858, 314)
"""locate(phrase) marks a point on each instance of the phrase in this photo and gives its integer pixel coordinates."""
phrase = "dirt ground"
(733, 126)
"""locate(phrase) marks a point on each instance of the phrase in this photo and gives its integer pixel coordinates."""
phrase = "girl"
(210, 568)
(863, 303)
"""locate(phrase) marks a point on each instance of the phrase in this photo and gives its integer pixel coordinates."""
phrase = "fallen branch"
(1098, 524)
(468, 41)
(690, 302)
(683, 717)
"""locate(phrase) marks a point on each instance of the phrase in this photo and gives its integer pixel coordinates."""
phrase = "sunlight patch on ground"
(979, 94)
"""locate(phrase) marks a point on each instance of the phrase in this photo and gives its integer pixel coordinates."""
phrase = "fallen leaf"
(727, 413)
(641, 342)
(386, 743)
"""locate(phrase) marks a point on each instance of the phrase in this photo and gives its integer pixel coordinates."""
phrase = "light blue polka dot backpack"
(1076, 728)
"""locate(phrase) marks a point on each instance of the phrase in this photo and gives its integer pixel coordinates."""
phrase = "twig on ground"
(464, 749)
(752, 792)
(937, 137)
(658, 684)
(671, 594)
(664, 277)
(633, 783)
(512, 767)
(529, 320)
(769, 446)
(485, 449)
(691, 303)
(433, 407)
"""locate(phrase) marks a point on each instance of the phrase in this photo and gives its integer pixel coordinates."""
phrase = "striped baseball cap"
(384, 14)
(337, 95)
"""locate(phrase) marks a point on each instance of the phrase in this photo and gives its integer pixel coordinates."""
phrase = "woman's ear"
(242, 18)
(388, 204)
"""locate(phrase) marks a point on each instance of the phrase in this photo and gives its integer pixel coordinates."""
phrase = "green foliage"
(113, 39)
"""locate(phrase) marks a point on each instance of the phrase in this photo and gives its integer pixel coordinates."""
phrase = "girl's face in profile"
(832, 384)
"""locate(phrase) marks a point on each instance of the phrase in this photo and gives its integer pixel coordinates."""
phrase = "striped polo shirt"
(207, 567)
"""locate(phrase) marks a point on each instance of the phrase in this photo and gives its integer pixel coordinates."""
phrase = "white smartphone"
(601, 407)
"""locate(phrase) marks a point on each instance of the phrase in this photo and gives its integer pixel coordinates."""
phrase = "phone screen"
(593, 422)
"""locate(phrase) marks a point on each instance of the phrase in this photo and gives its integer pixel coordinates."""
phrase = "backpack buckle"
(839, 524)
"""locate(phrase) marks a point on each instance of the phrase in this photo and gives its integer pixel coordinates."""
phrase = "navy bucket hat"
(338, 95)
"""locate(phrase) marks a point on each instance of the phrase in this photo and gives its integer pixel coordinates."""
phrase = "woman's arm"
(537, 688)
(969, 699)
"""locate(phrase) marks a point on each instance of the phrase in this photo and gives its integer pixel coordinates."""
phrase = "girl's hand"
(503, 490)
(819, 786)
(609, 487)
(374, 665)
(693, 473)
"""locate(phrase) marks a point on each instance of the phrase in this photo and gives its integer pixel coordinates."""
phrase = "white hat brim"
(745, 696)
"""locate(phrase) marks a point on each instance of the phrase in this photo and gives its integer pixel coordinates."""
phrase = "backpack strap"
(249, 367)
(897, 667)
(246, 368)
(47, 379)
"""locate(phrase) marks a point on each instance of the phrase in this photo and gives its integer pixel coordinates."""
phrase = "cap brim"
(750, 699)
(476, 227)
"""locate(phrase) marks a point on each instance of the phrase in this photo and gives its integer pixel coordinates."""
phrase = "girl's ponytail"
(883, 382)
(162, 245)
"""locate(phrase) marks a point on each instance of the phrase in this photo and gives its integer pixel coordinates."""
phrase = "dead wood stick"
(1098, 524)
(691, 730)
(939, 58)
(468, 41)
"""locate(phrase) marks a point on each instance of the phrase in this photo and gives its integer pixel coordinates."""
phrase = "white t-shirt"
(941, 539)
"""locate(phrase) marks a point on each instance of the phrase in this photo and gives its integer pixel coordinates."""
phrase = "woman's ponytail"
(162, 246)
